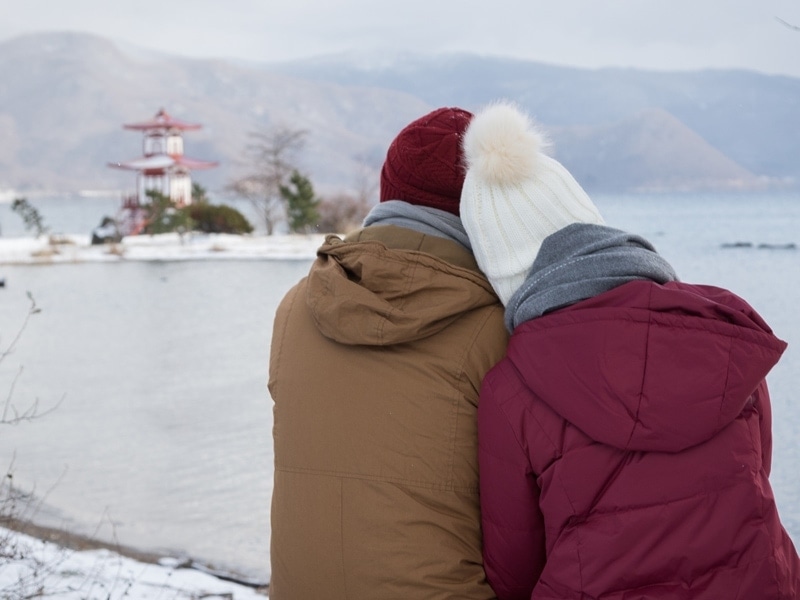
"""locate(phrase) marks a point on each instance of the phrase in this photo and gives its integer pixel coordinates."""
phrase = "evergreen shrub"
(218, 218)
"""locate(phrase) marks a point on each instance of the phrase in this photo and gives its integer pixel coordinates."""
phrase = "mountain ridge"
(61, 118)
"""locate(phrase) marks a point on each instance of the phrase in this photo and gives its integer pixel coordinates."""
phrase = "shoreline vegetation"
(74, 541)
(64, 555)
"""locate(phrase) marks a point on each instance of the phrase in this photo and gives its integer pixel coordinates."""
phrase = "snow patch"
(40, 568)
(164, 247)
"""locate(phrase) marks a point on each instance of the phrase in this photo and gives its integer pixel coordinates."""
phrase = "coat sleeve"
(513, 527)
(764, 407)
(278, 335)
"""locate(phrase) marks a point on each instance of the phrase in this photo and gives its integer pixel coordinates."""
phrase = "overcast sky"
(664, 34)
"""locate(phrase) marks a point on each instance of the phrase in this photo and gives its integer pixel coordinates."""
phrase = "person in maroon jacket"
(625, 439)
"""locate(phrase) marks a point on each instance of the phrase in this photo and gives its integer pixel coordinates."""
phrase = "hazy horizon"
(680, 35)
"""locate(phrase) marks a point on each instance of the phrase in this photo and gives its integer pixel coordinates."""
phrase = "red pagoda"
(163, 168)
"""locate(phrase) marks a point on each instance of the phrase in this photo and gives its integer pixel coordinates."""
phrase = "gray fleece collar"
(424, 219)
(581, 261)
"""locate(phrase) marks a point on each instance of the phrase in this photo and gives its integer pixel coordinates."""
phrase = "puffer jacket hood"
(648, 367)
(366, 294)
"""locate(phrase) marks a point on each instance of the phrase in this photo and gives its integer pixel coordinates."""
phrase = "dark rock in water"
(789, 246)
(763, 246)
(106, 233)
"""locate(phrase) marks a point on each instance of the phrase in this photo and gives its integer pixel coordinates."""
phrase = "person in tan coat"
(376, 364)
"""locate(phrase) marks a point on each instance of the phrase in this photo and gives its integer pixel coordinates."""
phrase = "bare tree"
(341, 213)
(9, 413)
(366, 181)
(270, 162)
(16, 506)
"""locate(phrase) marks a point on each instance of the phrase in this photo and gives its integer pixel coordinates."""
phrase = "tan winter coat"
(375, 369)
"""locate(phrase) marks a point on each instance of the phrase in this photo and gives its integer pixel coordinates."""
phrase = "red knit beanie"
(424, 164)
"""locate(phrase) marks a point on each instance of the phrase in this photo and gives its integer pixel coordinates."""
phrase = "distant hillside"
(61, 119)
(751, 118)
(636, 150)
(66, 97)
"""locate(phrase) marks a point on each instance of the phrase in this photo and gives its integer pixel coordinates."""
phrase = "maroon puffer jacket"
(625, 450)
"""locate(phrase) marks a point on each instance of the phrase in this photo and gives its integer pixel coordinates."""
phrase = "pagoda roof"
(163, 161)
(163, 120)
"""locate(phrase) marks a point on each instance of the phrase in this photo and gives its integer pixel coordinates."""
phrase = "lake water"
(162, 438)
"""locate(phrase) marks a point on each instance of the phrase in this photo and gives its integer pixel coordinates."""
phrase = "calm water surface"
(163, 437)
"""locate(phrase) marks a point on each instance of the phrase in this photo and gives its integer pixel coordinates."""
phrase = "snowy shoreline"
(85, 570)
(75, 248)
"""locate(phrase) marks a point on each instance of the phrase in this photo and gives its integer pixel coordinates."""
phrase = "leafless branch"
(787, 24)
(270, 160)
(32, 310)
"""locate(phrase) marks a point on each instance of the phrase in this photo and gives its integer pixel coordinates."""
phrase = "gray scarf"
(581, 261)
(424, 219)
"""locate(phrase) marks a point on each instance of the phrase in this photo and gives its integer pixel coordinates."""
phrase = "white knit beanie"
(514, 195)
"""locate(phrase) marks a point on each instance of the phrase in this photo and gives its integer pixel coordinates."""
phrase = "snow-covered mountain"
(65, 97)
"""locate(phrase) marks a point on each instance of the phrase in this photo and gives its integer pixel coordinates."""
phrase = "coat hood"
(645, 366)
(388, 285)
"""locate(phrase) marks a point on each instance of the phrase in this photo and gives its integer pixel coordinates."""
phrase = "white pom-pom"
(502, 145)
